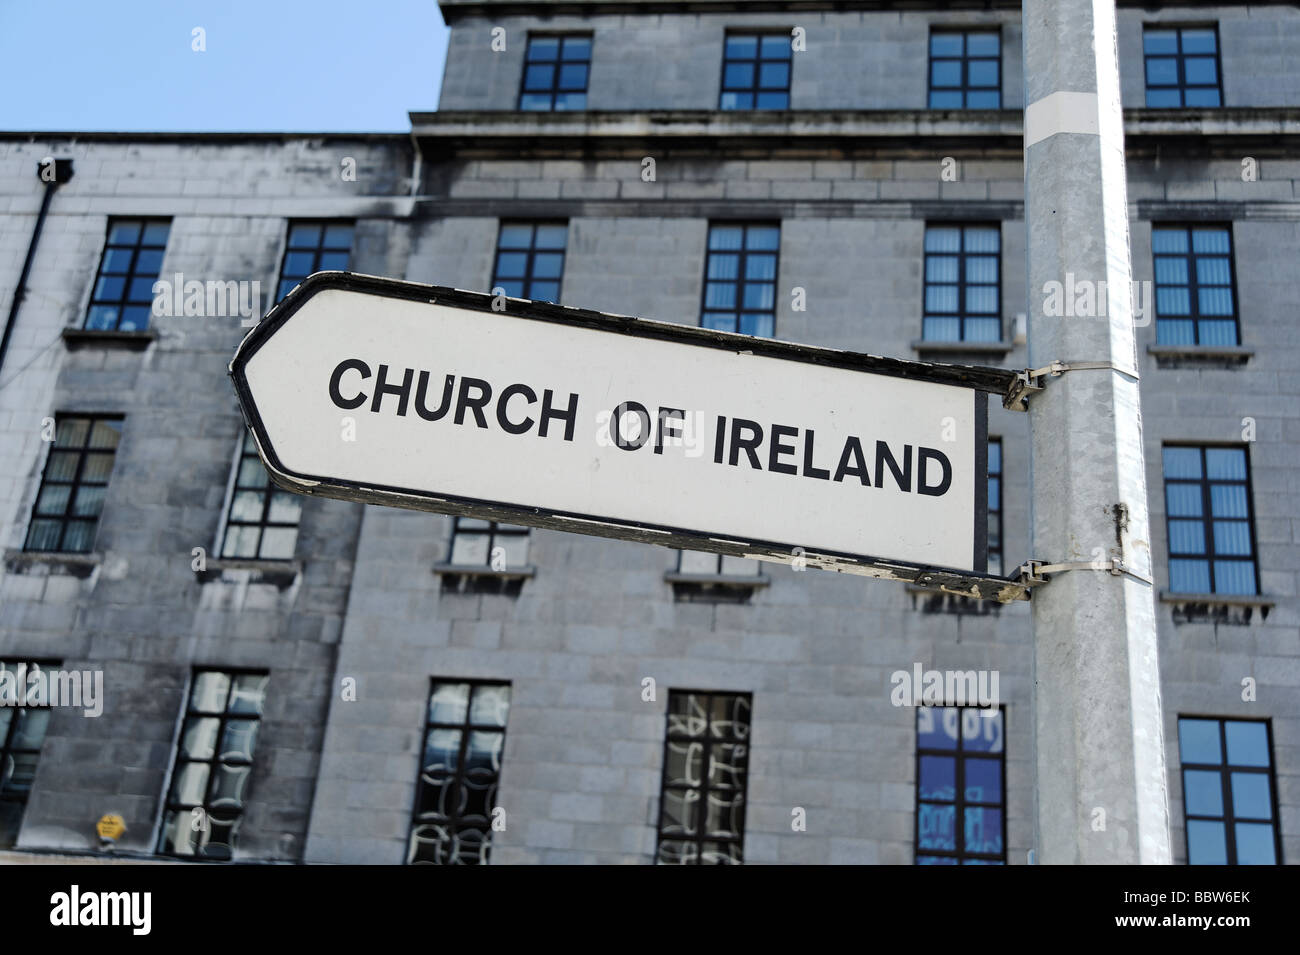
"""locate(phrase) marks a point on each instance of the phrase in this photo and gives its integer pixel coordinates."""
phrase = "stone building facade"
(792, 739)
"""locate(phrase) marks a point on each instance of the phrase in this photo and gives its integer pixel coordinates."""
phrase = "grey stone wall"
(853, 60)
(139, 611)
(674, 61)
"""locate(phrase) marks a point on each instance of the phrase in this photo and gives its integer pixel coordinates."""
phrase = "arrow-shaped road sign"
(418, 396)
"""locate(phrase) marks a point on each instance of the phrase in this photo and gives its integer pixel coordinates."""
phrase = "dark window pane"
(1247, 743)
(155, 233)
(1206, 843)
(1199, 41)
(1198, 741)
(1202, 792)
(946, 44)
(576, 48)
(1160, 41)
(1202, 97)
(304, 236)
(741, 47)
(543, 48)
(540, 76)
(1255, 844)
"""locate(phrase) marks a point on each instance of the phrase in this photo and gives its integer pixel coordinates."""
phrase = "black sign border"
(982, 381)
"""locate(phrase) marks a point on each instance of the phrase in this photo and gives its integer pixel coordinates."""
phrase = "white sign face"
(425, 397)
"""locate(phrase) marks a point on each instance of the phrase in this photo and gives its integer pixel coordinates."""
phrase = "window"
(314, 246)
(1195, 302)
(706, 770)
(476, 543)
(464, 735)
(963, 292)
(262, 520)
(1211, 527)
(740, 279)
(965, 70)
(74, 484)
(123, 295)
(995, 506)
(555, 73)
(724, 565)
(1182, 66)
(214, 759)
(756, 71)
(960, 786)
(22, 731)
(530, 260)
(1229, 791)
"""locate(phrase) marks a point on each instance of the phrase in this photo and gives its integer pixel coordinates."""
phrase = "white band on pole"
(1061, 112)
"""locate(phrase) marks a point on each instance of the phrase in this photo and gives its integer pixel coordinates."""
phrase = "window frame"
(702, 837)
(965, 89)
(167, 804)
(1225, 770)
(6, 740)
(742, 275)
(129, 275)
(465, 728)
(758, 60)
(962, 313)
(1207, 517)
(718, 571)
(554, 89)
(530, 257)
(998, 511)
(492, 531)
(1179, 59)
(316, 250)
(1193, 286)
(232, 487)
(66, 519)
(959, 803)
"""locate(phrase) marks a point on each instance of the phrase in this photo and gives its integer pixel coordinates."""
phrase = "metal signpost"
(1099, 742)
(388, 392)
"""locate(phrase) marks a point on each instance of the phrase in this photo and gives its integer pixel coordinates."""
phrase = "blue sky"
(291, 65)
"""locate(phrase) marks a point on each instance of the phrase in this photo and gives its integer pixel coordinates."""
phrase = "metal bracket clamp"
(1032, 379)
(1034, 572)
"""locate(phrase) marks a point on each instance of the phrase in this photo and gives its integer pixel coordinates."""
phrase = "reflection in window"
(740, 279)
(122, 298)
(555, 73)
(1229, 791)
(214, 760)
(965, 70)
(705, 776)
(464, 736)
(717, 565)
(756, 71)
(1210, 522)
(22, 731)
(1195, 294)
(476, 543)
(963, 291)
(314, 246)
(1182, 66)
(262, 521)
(74, 484)
(960, 786)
